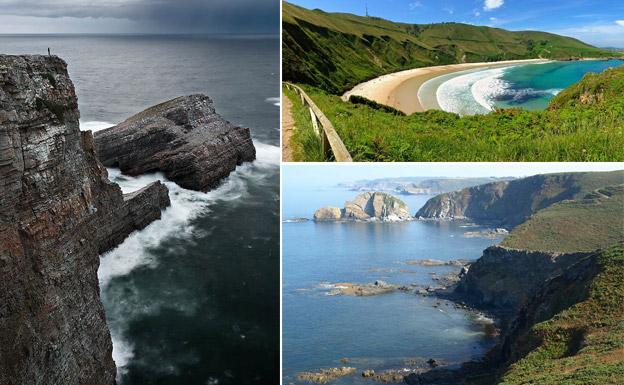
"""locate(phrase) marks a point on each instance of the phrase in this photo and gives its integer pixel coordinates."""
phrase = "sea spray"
(176, 223)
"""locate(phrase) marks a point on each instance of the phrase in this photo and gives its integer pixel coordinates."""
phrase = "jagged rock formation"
(58, 213)
(509, 203)
(184, 138)
(367, 206)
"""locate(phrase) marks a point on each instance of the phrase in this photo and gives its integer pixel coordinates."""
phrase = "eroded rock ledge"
(58, 213)
(184, 138)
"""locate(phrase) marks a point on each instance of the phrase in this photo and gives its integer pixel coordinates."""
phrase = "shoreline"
(400, 89)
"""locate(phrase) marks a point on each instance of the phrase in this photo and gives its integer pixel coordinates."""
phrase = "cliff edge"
(58, 213)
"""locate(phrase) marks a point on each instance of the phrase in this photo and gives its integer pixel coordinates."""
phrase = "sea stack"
(368, 206)
(184, 138)
(58, 213)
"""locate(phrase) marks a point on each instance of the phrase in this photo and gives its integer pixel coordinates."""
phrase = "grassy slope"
(599, 360)
(574, 225)
(336, 51)
(583, 123)
(305, 143)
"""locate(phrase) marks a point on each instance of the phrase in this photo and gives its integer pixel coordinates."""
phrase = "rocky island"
(184, 138)
(369, 207)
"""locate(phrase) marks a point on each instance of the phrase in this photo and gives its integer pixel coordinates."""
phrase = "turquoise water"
(379, 332)
(528, 86)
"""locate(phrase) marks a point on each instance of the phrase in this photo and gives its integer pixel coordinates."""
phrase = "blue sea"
(378, 332)
(526, 86)
(193, 299)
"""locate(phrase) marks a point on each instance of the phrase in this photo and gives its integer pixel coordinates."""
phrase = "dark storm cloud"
(166, 15)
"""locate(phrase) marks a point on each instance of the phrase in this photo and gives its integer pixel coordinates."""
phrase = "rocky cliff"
(369, 206)
(509, 203)
(58, 213)
(503, 280)
(184, 138)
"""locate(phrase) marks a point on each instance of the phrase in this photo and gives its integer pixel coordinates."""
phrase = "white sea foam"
(275, 101)
(470, 94)
(94, 125)
(176, 221)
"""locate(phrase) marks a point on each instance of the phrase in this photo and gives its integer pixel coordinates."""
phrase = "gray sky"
(139, 16)
(330, 174)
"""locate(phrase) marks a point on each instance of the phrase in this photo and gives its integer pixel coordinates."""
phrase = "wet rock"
(368, 373)
(362, 290)
(324, 376)
(184, 138)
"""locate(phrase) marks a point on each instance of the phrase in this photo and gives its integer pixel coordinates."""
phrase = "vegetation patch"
(306, 144)
(569, 130)
(584, 344)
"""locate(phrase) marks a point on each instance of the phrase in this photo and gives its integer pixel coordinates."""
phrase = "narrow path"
(288, 126)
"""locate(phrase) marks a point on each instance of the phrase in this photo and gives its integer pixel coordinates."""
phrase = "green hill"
(590, 223)
(336, 51)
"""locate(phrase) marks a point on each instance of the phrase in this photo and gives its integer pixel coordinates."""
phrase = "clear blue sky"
(599, 22)
(329, 174)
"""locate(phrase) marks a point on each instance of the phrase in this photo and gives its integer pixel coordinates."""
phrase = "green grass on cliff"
(587, 224)
(584, 123)
(598, 357)
(336, 51)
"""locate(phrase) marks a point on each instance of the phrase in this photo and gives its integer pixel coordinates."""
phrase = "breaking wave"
(176, 222)
(274, 101)
(478, 92)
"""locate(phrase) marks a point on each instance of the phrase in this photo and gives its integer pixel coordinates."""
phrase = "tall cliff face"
(369, 206)
(510, 203)
(184, 138)
(58, 212)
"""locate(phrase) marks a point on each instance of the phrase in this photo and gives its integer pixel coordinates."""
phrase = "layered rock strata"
(509, 203)
(369, 206)
(184, 138)
(58, 213)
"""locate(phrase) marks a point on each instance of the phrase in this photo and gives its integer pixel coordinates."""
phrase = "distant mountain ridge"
(419, 185)
(336, 51)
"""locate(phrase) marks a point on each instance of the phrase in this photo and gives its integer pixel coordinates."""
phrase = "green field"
(583, 123)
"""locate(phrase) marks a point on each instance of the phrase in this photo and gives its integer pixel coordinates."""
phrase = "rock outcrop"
(509, 203)
(505, 279)
(58, 213)
(369, 206)
(184, 138)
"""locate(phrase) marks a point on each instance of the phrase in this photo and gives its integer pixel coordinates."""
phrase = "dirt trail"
(288, 126)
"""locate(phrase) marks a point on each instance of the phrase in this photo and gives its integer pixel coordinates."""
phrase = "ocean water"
(194, 297)
(527, 86)
(378, 332)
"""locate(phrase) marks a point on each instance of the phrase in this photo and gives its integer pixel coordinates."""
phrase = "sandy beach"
(400, 89)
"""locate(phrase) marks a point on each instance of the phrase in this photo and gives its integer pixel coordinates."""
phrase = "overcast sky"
(139, 16)
(598, 22)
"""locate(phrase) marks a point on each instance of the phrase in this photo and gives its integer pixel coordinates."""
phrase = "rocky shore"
(367, 207)
(58, 213)
(184, 138)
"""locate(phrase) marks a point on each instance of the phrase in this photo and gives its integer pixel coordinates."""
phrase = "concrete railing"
(331, 142)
